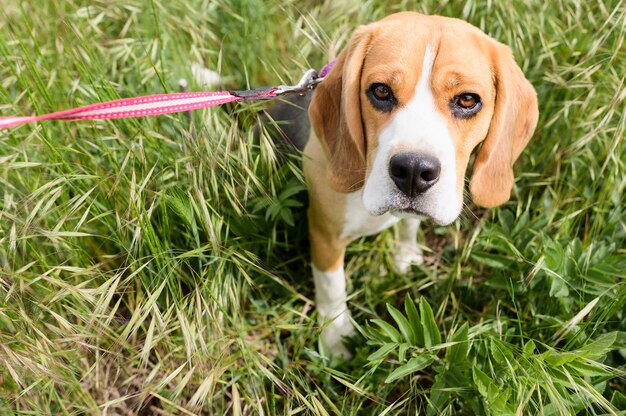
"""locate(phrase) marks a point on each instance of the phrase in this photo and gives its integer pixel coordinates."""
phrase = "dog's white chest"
(359, 223)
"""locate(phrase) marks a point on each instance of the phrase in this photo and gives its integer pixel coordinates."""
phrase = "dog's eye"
(467, 100)
(382, 92)
(381, 97)
(466, 105)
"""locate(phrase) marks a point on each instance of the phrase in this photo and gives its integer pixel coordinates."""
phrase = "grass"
(160, 265)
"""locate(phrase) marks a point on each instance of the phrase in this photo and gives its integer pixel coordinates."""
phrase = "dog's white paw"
(406, 256)
(333, 335)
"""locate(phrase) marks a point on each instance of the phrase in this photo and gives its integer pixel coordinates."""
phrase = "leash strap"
(152, 105)
(149, 105)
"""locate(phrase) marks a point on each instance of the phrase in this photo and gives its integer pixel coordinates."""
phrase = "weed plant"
(160, 265)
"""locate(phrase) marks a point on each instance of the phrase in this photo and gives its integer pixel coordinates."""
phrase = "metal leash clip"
(308, 81)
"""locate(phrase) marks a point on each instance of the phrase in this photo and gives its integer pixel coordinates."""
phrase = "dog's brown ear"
(335, 114)
(512, 125)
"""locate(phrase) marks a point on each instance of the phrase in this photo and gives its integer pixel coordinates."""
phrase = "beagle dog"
(394, 123)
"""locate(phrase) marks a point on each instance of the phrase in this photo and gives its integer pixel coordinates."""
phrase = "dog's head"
(408, 100)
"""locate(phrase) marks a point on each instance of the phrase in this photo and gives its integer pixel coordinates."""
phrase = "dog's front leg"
(407, 252)
(327, 252)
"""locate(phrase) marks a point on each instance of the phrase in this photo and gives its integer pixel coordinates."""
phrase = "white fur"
(330, 286)
(359, 222)
(330, 302)
(418, 127)
(407, 252)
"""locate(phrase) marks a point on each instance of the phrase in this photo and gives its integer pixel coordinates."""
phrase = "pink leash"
(152, 105)
(131, 107)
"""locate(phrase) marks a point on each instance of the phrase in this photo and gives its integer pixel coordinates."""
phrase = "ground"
(160, 265)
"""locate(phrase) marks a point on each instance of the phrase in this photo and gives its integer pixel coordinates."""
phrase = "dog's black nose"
(413, 173)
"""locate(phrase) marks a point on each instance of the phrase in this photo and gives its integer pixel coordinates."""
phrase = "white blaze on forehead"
(420, 128)
(427, 68)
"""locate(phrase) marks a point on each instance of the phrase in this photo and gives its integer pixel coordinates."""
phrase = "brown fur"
(339, 155)
(512, 126)
(336, 117)
(325, 213)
